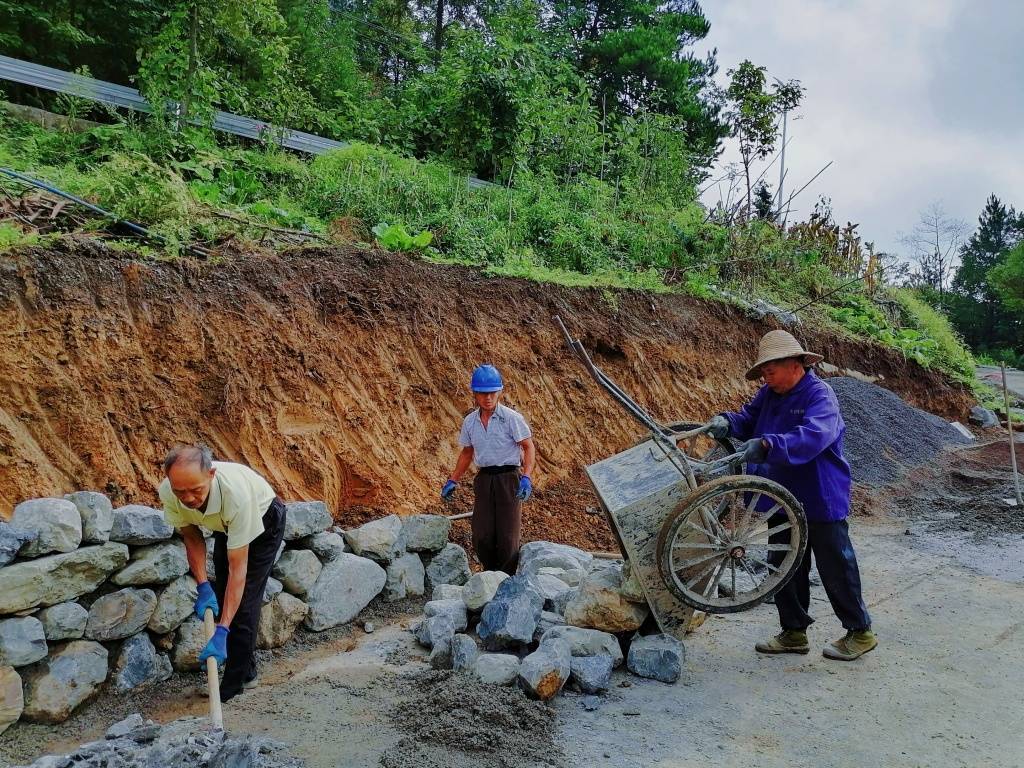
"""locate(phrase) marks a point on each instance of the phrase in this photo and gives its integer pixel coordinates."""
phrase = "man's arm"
(462, 463)
(195, 551)
(818, 431)
(741, 424)
(529, 456)
(238, 564)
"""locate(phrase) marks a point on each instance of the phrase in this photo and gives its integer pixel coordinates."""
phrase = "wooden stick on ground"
(1009, 428)
(212, 681)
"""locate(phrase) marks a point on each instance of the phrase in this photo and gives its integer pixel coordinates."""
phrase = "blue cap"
(486, 379)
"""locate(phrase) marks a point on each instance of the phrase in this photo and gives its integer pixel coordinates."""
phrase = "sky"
(914, 101)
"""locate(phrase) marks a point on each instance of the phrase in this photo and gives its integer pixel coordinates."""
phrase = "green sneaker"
(852, 646)
(787, 641)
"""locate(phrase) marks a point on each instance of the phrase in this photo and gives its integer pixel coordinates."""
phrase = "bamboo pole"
(1009, 428)
(212, 681)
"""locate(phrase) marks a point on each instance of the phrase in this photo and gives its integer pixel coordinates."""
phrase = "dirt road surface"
(940, 690)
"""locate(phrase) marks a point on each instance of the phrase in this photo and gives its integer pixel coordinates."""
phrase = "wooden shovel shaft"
(1009, 429)
(212, 681)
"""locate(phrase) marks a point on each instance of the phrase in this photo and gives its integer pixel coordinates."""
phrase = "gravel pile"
(884, 435)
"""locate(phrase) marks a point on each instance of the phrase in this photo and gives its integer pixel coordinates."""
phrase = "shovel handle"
(212, 680)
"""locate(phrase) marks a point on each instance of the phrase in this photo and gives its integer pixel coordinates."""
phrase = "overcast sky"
(916, 101)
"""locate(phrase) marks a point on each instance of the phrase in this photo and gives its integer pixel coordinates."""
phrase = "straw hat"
(778, 345)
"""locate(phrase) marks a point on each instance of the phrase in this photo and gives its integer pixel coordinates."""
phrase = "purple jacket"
(804, 431)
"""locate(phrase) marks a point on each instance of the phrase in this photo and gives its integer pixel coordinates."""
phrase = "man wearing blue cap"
(498, 440)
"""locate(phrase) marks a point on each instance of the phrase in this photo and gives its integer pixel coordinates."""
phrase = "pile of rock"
(93, 595)
(188, 741)
(564, 618)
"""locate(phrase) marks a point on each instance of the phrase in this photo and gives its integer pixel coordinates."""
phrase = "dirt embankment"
(341, 374)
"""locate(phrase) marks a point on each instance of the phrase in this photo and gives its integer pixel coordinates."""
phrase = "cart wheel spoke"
(765, 563)
(779, 548)
(692, 582)
(697, 560)
(694, 545)
(713, 582)
(702, 530)
(770, 531)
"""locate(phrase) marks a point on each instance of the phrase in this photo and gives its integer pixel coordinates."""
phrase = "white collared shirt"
(498, 444)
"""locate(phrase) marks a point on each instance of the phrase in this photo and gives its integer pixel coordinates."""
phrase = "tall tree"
(933, 243)
(1008, 280)
(753, 113)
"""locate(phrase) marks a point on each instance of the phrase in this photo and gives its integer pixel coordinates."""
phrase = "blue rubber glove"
(206, 599)
(718, 426)
(755, 451)
(449, 490)
(525, 488)
(216, 646)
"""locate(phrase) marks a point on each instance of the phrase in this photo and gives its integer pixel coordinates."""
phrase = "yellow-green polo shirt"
(239, 497)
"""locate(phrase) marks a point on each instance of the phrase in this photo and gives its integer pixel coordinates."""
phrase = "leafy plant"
(394, 237)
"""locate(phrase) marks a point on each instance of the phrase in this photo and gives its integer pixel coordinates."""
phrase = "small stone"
(138, 664)
(368, 627)
(124, 727)
(591, 703)
(425, 533)
(345, 586)
(55, 687)
(55, 521)
(156, 564)
(97, 515)
(434, 630)
(599, 603)
(297, 570)
(405, 577)
(658, 657)
(12, 540)
(64, 621)
(273, 588)
(325, 545)
(511, 617)
(543, 673)
(377, 539)
(138, 524)
(12, 699)
(496, 668)
(22, 641)
(305, 518)
(591, 674)
(447, 592)
(587, 642)
(479, 589)
(175, 603)
(120, 614)
(464, 652)
(279, 619)
(449, 566)
(453, 609)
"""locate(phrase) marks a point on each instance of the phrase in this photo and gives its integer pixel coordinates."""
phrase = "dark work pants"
(497, 519)
(830, 545)
(241, 664)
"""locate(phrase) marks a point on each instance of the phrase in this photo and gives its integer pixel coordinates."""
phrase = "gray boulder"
(272, 590)
(55, 521)
(279, 619)
(406, 577)
(189, 640)
(544, 554)
(496, 668)
(425, 533)
(156, 564)
(559, 604)
(591, 674)
(441, 653)
(434, 630)
(297, 571)
(983, 417)
(479, 589)
(22, 641)
(138, 524)
(12, 698)
(631, 588)
(552, 589)
(599, 603)
(546, 621)
(124, 727)
(174, 604)
(453, 609)
(571, 577)
(345, 586)
(447, 592)
(464, 652)
(511, 617)
(305, 518)
(58, 578)
(543, 673)
(97, 515)
(64, 621)
(379, 539)
(55, 687)
(12, 540)
(120, 614)
(211, 568)
(449, 566)
(326, 545)
(587, 642)
(139, 665)
(658, 657)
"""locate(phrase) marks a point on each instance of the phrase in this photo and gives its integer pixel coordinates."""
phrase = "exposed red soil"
(341, 374)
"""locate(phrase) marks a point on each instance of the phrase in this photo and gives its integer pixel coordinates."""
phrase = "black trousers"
(497, 518)
(830, 545)
(241, 664)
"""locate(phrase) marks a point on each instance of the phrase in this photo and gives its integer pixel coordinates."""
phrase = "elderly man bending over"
(247, 520)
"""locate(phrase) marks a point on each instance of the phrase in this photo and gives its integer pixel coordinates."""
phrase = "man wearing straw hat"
(793, 434)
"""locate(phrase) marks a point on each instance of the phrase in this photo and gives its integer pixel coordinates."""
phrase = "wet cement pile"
(452, 722)
(885, 436)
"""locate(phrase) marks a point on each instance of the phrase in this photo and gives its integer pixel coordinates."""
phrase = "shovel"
(212, 680)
